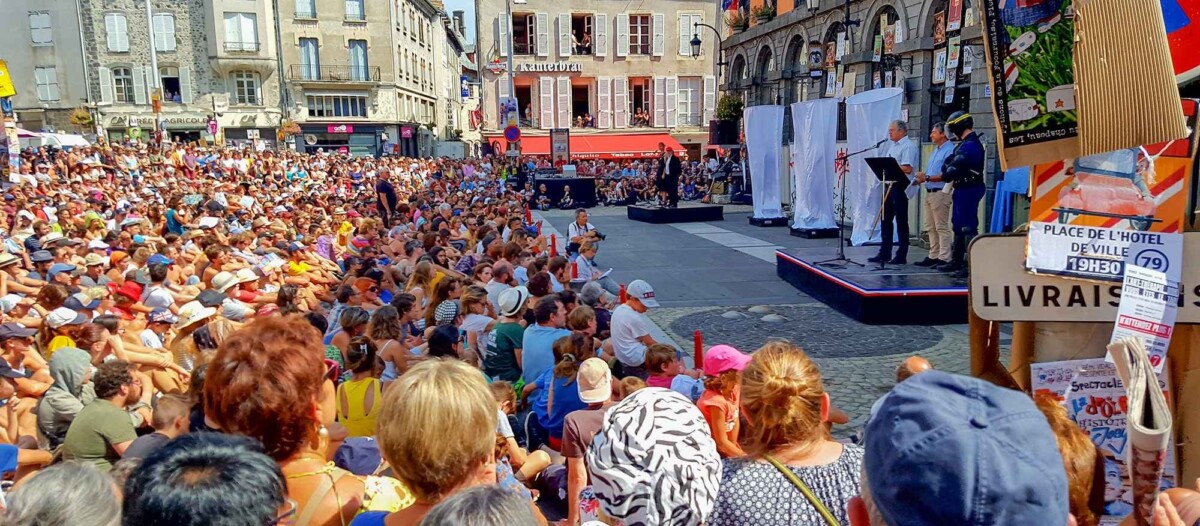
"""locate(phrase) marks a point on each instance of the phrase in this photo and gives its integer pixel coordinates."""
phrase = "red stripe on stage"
(865, 292)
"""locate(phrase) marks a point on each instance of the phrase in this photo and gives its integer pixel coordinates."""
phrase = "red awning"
(607, 146)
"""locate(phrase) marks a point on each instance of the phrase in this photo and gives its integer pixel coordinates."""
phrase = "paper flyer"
(1148, 424)
(1149, 304)
(1095, 398)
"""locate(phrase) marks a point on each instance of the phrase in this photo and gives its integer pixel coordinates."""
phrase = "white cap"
(643, 292)
(97, 244)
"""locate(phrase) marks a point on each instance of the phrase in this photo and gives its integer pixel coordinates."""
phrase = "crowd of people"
(209, 336)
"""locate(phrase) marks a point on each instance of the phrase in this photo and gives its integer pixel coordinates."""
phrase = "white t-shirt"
(476, 323)
(627, 326)
(157, 298)
(151, 340)
(235, 310)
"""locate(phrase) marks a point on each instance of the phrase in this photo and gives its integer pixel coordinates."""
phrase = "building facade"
(599, 69)
(47, 71)
(418, 31)
(246, 92)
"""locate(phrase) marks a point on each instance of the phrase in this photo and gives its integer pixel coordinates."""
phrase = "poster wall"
(867, 117)
(764, 126)
(814, 154)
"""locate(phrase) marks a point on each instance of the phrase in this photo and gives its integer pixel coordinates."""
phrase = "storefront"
(607, 146)
(178, 127)
(355, 139)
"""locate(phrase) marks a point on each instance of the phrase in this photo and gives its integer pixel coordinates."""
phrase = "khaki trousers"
(936, 222)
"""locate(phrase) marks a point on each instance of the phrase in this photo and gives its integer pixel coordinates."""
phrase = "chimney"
(458, 22)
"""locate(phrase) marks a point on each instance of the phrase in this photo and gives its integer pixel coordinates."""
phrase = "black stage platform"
(899, 295)
(583, 190)
(768, 221)
(686, 213)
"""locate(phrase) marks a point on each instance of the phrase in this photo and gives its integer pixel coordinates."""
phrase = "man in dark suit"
(673, 169)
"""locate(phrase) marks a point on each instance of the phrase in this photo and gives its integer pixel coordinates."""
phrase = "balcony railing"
(306, 13)
(334, 73)
(241, 47)
(355, 17)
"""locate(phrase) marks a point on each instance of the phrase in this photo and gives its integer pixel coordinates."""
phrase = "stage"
(898, 295)
(687, 212)
(583, 190)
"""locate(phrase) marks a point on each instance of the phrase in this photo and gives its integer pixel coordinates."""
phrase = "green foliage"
(736, 20)
(729, 108)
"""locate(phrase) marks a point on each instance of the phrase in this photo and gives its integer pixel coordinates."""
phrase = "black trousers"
(672, 191)
(895, 208)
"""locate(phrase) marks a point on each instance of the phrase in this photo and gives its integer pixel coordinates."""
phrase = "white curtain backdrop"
(814, 151)
(764, 133)
(867, 117)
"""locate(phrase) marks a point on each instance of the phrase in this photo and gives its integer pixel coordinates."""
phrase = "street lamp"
(813, 4)
(695, 42)
(695, 45)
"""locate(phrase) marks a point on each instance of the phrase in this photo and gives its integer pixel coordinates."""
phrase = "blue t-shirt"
(8, 458)
(173, 224)
(537, 350)
(566, 400)
(369, 518)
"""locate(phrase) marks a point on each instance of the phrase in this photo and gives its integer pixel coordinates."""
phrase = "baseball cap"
(60, 267)
(951, 428)
(654, 460)
(139, 239)
(41, 256)
(159, 259)
(595, 381)
(64, 316)
(210, 298)
(15, 330)
(511, 300)
(93, 259)
(8, 302)
(80, 301)
(721, 358)
(97, 244)
(161, 315)
(208, 222)
(446, 312)
(130, 289)
(643, 292)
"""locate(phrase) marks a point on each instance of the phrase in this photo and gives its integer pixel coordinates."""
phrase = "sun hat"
(50, 238)
(643, 292)
(595, 381)
(7, 259)
(654, 461)
(192, 312)
(97, 244)
(446, 312)
(721, 358)
(511, 300)
(130, 289)
(64, 316)
(91, 260)
(225, 280)
(41, 256)
(990, 449)
(247, 275)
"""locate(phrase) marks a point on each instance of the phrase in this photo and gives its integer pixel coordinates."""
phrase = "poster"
(889, 39)
(830, 83)
(509, 113)
(831, 56)
(841, 45)
(1029, 57)
(878, 49)
(816, 56)
(953, 53)
(889, 79)
(848, 83)
(560, 146)
(966, 61)
(876, 80)
(939, 65)
(1147, 311)
(948, 91)
(1096, 401)
(939, 28)
(838, 77)
(954, 16)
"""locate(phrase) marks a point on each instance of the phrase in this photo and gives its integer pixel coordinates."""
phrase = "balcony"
(355, 17)
(241, 47)
(343, 74)
(306, 14)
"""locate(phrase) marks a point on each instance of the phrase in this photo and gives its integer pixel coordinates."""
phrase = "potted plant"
(289, 128)
(736, 21)
(81, 118)
(729, 112)
(763, 13)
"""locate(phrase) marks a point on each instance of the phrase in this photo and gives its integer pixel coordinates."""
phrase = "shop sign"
(549, 67)
(497, 67)
(406, 132)
(168, 120)
(252, 134)
(339, 128)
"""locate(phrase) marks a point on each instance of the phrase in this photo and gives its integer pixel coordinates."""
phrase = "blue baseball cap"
(59, 268)
(950, 449)
(41, 256)
(159, 259)
(81, 301)
(161, 315)
(139, 239)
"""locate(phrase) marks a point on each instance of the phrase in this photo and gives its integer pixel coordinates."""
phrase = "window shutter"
(39, 80)
(660, 102)
(546, 100)
(600, 44)
(658, 30)
(106, 85)
(110, 32)
(564, 35)
(564, 102)
(249, 32)
(502, 25)
(501, 94)
(622, 35)
(685, 29)
(672, 99)
(122, 33)
(604, 100)
(51, 75)
(169, 32)
(543, 34)
(621, 102)
(185, 85)
(139, 85)
(710, 98)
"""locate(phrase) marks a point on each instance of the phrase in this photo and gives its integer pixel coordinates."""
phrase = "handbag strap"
(808, 494)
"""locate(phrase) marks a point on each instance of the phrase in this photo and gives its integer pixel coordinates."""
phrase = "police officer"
(964, 168)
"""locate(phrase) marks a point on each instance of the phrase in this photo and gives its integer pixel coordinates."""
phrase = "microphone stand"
(841, 260)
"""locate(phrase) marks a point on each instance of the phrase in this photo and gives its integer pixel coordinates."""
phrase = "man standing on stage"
(964, 168)
(660, 171)
(895, 202)
(673, 169)
(936, 218)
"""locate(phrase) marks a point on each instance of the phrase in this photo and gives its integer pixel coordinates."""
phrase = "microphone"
(880, 143)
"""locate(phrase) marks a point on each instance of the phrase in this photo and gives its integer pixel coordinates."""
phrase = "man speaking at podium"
(895, 202)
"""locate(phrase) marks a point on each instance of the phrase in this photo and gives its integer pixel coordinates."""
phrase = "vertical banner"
(868, 115)
(764, 127)
(560, 146)
(813, 163)
(464, 87)
(509, 112)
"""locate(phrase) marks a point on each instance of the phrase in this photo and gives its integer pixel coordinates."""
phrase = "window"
(689, 97)
(241, 32)
(122, 85)
(164, 32)
(310, 59)
(639, 102)
(244, 88)
(337, 106)
(306, 8)
(688, 29)
(581, 31)
(639, 35)
(171, 87)
(354, 10)
(39, 28)
(358, 60)
(116, 30)
(524, 34)
(47, 83)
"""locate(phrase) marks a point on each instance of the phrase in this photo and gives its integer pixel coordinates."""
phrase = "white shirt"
(627, 326)
(151, 340)
(574, 230)
(494, 289)
(904, 152)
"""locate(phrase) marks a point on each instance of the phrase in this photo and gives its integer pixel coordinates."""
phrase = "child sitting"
(526, 465)
(628, 386)
(722, 395)
(666, 371)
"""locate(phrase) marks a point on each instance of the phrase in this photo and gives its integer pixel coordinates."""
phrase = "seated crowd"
(189, 344)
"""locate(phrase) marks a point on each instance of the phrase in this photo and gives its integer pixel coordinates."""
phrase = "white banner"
(764, 131)
(867, 117)
(813, 154)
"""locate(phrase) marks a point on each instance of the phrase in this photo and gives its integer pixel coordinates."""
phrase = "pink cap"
(721, 358)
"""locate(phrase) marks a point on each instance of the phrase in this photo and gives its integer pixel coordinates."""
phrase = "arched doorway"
(794, 70)
(762, 72)
(737, 76)
(949, 86)
(832, 59)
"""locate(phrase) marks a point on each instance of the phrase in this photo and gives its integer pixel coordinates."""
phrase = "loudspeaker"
(722, 132)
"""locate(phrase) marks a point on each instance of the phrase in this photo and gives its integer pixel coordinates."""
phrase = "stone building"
(47, 65)
(246, 84)
(629, 71)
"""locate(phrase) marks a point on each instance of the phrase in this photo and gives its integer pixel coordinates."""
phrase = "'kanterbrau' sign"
(340, 128)
(549, 67)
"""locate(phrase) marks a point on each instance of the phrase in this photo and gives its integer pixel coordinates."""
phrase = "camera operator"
(581, 231)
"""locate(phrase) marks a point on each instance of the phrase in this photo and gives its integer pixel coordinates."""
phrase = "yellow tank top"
(358, 423)
(58, 342)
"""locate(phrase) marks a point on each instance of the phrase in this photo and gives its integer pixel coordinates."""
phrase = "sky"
(468, 17)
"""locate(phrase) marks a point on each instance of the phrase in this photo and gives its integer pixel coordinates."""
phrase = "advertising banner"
(1096, 400)
(560, 146)
(764, 126)
(1149, 303)
(509, 112)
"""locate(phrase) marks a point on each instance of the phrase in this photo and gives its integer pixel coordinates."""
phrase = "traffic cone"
(553, 245)
(528, 215)
(574, 270)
